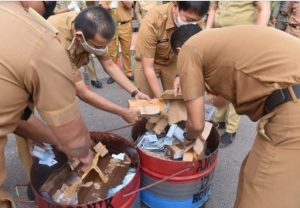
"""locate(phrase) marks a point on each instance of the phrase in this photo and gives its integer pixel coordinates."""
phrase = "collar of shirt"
(170, 22)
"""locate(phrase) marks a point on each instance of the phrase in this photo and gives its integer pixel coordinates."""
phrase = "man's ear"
(178, 49)
(79, 36)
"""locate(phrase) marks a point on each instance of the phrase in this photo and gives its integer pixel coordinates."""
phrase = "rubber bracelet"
(134, 93)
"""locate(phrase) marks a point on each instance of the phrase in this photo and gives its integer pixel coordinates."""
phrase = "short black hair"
(49, 8)
(198, 7)
(182, 34)
(94, 20)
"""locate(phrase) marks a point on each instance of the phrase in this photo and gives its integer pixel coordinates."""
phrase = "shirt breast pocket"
(163, 48)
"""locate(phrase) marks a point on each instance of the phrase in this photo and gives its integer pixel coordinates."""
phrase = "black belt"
(295, 26)
(280, 96)
(124, 22)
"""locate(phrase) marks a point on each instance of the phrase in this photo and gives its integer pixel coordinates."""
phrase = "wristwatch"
(134, 93)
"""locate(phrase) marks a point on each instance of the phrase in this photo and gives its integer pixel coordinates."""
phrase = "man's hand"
(176, 86)
(87, 160)
(141, 96)
(131, 115)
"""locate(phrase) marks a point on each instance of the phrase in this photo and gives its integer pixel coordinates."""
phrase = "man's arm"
(148, 67)
(264, 11)
(88, 96)
(116, 73)
(195, 118)
(36, 130)
(211, 15)
(50, 83)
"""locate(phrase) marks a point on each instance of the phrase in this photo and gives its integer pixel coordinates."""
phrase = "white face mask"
(181, 22)
(90, 49)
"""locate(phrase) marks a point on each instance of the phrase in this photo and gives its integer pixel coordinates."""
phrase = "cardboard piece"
(177, 111)
(198, 147)
(161, 125)
(169, 95)
(188, 156)
(147, 108)
(174, 151)
(101, 149)
(207, 129)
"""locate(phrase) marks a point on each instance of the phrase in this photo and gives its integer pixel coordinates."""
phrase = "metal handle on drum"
(20, 199)
(119, 128)
(160, 181)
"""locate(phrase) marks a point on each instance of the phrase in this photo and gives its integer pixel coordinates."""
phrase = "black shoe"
(96, 83)
(227, 139)
(110, 80)
(221, 125)
(131, 78)
(30, 193)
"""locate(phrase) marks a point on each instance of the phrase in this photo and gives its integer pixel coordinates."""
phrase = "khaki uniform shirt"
(235, 13)
(154, 35)
(34, 69)
(243, 64)
(64, 23)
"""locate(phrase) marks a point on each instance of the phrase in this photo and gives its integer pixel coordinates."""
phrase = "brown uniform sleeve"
(147, 39)
(50, 83)
(76, 73)
(104, 57)
(190, 69)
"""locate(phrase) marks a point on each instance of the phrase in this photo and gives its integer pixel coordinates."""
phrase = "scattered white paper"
(119, 156)
(45, 155)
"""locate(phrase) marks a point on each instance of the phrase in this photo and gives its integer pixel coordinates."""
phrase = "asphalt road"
(225, 174)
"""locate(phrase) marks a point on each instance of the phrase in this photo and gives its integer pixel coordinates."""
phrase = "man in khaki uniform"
(24, 78)
(223, 14)
(293, 27)
(261, 78)
(75, 42)
(65, 31)
(154, 56)
(121, 12)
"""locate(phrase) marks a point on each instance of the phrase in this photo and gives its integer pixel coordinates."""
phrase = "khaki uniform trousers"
(229, 116)
(91, 68)
(166, 74)
(124, 33)
(6, 200)
(281, 23)
(269, 176)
